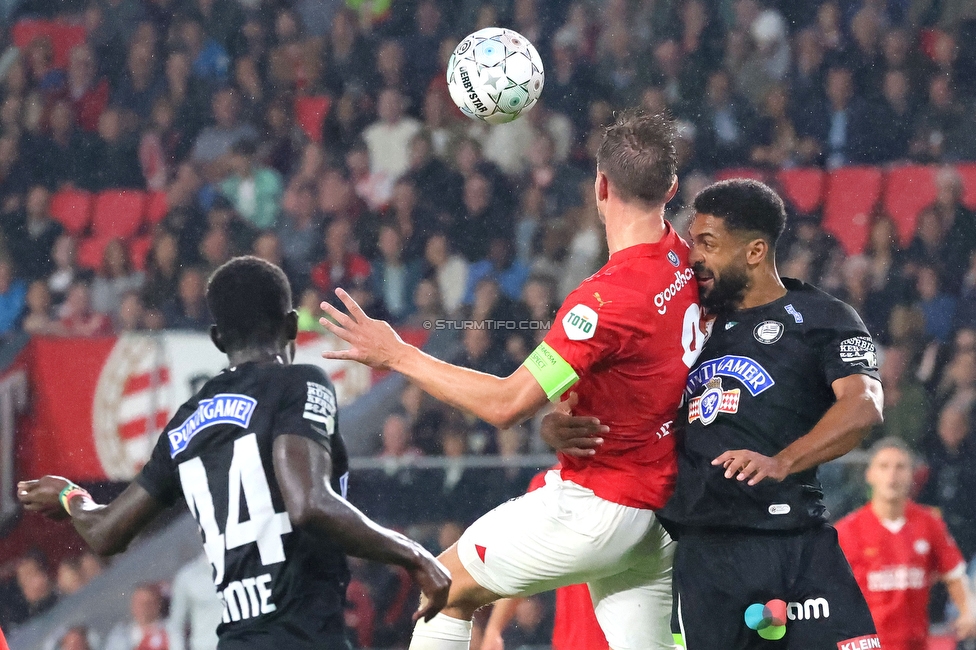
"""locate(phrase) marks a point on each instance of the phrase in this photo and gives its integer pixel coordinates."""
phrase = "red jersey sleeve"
(848, 538)
(587, 328)
(946, 556)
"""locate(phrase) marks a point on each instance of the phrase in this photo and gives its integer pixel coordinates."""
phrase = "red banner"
(98, 405)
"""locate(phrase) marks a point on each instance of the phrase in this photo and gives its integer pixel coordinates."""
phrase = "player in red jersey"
(575, 625)
(897, 548)
(625, 339)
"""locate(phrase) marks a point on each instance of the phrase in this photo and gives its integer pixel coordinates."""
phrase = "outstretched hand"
(374, 343)
(42, 495)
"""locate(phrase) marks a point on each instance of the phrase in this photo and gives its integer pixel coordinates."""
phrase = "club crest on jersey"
(673, 258)
(768, 332)
(225, 408)
(712, 402)
(752, 375)
(580, 323)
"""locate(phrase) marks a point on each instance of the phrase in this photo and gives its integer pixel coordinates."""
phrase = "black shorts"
(765, 591)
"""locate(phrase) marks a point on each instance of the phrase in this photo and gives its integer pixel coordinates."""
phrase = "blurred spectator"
(938, 123)
(146, 629)
(374, 186)
(31, 235)
(414, 222)
(187, 94)
(341, 267)
(140, 86)
(951, 457)
(70, 579)
(34, 593)
(132, 316)
(481, 219)
(92, 566)
(188, 310)
(13, 176)
(115, 157)
(77, 638)
(839, 128)
(501, 265)
(897, 112)
(299, 230)
(77, 316)
(396, 439)
(216, 141)
(255, 190)
(394, 278)
(195, 609)
(958, 223)
(209, 60)
(161, 145)
(557, 181)
(162, 270)
(39, 319)
(777, 140)
(87, 91)
(906, 407)
(115, 278)
(13, 293)
(65, 271)
(389, 137)
(448, 270)
(725, 126)
(216, 248)
(64, 157)
(939, 307)
(437, 187)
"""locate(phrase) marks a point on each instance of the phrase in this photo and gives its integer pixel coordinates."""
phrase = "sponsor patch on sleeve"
(320, 406)
(859, 351)
(580, 323)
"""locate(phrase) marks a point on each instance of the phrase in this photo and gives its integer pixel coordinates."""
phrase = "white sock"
(441, 633)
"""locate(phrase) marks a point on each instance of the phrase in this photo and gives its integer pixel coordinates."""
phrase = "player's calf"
(451, 629)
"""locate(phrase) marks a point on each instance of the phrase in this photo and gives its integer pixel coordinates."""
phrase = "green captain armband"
(553, 373)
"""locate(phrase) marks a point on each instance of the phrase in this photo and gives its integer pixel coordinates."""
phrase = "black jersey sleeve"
(308, 406)
(158, 476)
(848, 347)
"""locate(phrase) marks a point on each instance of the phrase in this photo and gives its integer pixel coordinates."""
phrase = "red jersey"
(575, 625)
(630, 332)
(895, 570)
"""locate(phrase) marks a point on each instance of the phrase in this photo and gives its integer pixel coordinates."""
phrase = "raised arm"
(107, 529)
(841, 429)
(502, 402)
(303, 469)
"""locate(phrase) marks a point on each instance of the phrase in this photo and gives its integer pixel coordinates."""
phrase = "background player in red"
(575, 624)
(897, 549)
(626, 338)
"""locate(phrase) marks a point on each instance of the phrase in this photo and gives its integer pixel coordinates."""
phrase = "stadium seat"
(138, 251)
(90, 251)
(803, 187)
(118, 213)
(310, 113)
(72, 209)
(851, 198)
(908, 190)
(157, 207)
(968, 173)
(64, 37)
(740, 172)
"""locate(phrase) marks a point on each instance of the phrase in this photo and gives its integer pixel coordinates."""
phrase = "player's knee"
(466, 595)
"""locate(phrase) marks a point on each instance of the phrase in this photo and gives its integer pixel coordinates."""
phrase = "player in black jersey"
(263, 433)
(787, 380)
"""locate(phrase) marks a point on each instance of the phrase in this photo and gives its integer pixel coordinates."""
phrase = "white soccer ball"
(495, 75)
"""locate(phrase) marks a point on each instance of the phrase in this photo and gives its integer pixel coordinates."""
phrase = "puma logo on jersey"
(601, 300)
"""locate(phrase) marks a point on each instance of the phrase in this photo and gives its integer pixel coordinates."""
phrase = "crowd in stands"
(425, 216)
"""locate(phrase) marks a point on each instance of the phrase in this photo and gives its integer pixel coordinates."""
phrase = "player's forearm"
(960, 596)
(485, 396)
(841, 429)
(93, 523)
(356, 534)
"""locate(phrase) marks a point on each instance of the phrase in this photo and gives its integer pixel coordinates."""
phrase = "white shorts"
(563, 534)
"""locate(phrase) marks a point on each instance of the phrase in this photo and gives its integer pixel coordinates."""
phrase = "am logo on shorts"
(768, 620)
(867, 642)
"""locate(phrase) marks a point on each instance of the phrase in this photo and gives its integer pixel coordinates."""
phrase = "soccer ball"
(495, 75)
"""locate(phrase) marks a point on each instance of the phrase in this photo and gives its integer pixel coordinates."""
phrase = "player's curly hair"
(746, 206)
(249, 299)
(638, 155)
